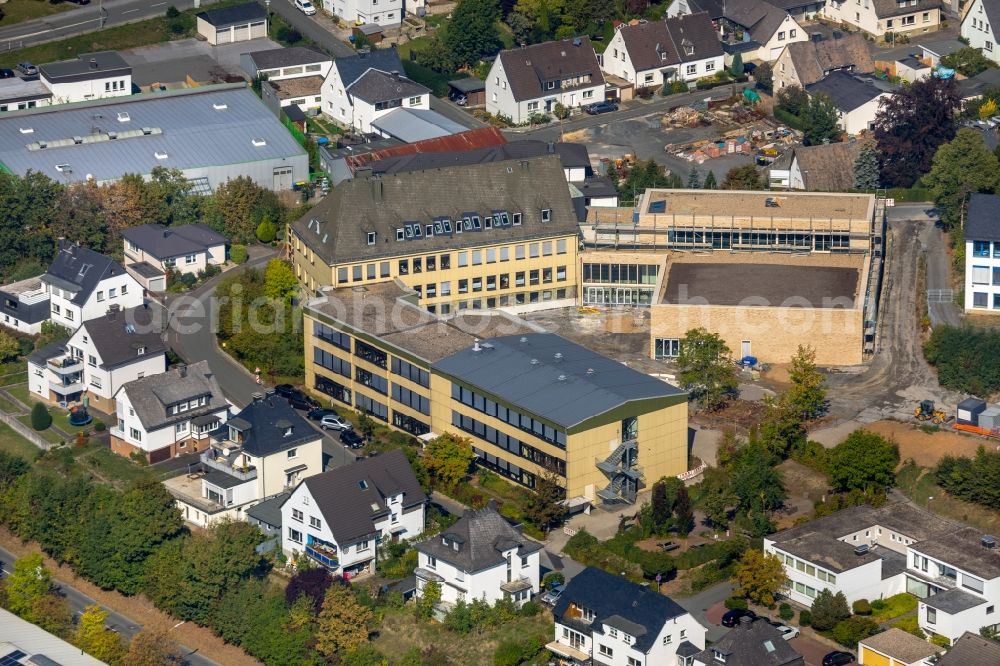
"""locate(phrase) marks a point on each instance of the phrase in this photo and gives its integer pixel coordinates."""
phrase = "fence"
(691, 473)
(25, 431)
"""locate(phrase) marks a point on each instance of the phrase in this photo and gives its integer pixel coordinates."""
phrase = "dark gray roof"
(336, 229)
(846, 91)
(760, 18)
(145, 269)
(890, 8)
(120, 336)
(352, 67)
(377, 86)
(269, 511)
(236, 15)
(983, 221)
(752, 643)
(610, 596)
(477, 541)
(220, 479)
(597, 186)
(972, 650)
(962, 550)
(288, 57)
(658, 44)
(468, 84)
(571, 155)
(977, 85)
(152, 396)
(262, 436)
(79, 270)
(166, 242)
(524, 371)
(687, 649)
(86, 66)
(954, 601)
(762, 285)
(51, 350)
(529, 68)
(349, 509)
(827, 552)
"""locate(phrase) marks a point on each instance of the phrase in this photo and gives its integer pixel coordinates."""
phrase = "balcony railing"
(323, 553)
(66, 386)
(210, 459)
(65, 365)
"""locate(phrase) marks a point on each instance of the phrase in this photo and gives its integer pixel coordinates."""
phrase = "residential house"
(752, 28)
(752, 642)
(604, 618)
(982, 254)
(481, 556)
(878, 17)
(151, 250)
(822, 168)
(655, 53)
(239, 23)
(266, 515)
(83, 284)
(857, 100)
(25, 305)
(532, 79)
(102, 355)
(340, 518)
(378, 87)
(895, 647)
(388, 13)
(804, 63)
(291, 62)
(977, 27)
(971, 649)
(264, 450)
(168, 414)
(17, 94)
(89, 76)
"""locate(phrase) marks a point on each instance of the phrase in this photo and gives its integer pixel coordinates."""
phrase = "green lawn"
(21, 393)
(113, 468)
(16, 11)
(13, 443)
(8, 406)
(49, 435)
(14, 378)
(60, 419)
(896, 605)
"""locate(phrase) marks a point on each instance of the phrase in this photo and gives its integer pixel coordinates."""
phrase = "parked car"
(837, 658)
(305, 6)
(300, 400)
(552, 595)
(285, 390)
(318, 413)
(6, 73)
(351, 439)
(732, 618)
(334, 422)
(27, 68)
(788, 633)
(601, 107)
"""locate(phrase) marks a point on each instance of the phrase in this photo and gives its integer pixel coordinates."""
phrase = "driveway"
(310, 27)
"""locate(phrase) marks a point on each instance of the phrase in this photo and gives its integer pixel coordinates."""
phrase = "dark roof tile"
(972, 650)
(264, 437)
(79, 269)
(124, 336)
(528, 68)
(658, 44)
(376, 86)
(167, 242)
(752, 643)
(235, 15)
(288, 57)
(846, 91)
(477, 541)
(983, 222)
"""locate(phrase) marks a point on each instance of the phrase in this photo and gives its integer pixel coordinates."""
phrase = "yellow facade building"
(531, 402)
(498, 234)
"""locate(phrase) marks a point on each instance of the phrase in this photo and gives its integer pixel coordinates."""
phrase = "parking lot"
(172, 62)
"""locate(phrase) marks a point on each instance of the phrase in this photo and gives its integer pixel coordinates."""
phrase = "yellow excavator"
(925, 411)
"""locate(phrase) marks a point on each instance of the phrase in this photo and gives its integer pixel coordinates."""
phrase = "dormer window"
(719, 656)
(288, 431)
(371, 237)
(550, 85)
(546, 215)
(663, 55)
(363, 484)
(689, 49)
(400, 234)
(140, 351)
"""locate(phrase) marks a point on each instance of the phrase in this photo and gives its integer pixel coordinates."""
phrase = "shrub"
(40, 417)
(861, 607)
(553, 578)
(561, 112)
(173, 12)
(939, 640)
(515, 652)
(785, 612)
(266, 231)
(828, 609)
(238, 254)
(736, 603)
(99, 425)
(848, 632)
(530, 609)
(910, 624)
(805, 618)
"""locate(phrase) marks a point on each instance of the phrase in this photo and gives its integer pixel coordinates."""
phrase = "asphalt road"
(125, 627)
(85, 19)
(309, 27)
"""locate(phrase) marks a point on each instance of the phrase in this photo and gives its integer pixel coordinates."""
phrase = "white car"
(788, 633)
(305, 6)
(334, 422)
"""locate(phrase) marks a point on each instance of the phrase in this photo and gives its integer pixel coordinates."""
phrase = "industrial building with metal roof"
(212, 134)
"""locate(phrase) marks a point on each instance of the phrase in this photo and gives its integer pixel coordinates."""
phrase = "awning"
(564, 650)
(205, 419)
(297, 468)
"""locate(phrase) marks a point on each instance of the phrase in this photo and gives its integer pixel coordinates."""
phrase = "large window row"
(508, 443)
(371, 380)
(517, 298)
(729, 239)
(332, 335)
(667, 348)
(504, 468)
(617, 296)
(370, 354)
(331, 362)
(411, 372)
(371, 407)
(333, 389)
(409, 424)
(411, 399)
(621, 273)
(511, 416)
(806, 568)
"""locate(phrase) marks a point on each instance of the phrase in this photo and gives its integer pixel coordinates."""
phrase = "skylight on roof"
(363, 484)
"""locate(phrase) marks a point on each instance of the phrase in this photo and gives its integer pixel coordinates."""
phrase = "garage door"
(223, 36)
(258, 30)
(242, 33)
(282, 178)
(159, 455)
(872, 658)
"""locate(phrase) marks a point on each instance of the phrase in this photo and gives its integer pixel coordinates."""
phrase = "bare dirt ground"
(804, 487)
(927, 448)
(137, 608)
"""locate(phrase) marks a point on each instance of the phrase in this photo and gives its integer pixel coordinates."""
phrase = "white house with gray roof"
(752, 642)
(17, 94)
(982, 254)
(151, 250)
(482, 556)
(89, 76)
(368, 85)
(340, 518)
(289, 62)
(387, 13)
(979, 27)
(168, 414)
(83, 284)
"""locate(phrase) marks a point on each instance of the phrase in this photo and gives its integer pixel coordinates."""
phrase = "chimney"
(395, 75)
(182, 371)
(475, 345)
(93, 63)
(257, 397)
(745, 621)
(552, 147)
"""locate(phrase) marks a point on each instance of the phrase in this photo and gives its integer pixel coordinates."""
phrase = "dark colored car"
(602, 107)
(318, 413)
(838, 658)
(300, 400)
(6, 74)
(732, 618)
(285, 390)
(351, 439)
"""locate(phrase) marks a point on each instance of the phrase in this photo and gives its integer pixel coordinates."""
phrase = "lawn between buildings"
(16, 11)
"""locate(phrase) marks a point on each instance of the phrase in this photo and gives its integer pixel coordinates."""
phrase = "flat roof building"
(25, 644)
(212, 134)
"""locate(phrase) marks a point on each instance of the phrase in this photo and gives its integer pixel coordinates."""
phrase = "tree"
(910, 126)
(472, 32)
(960, 167)
(853, 629)
(427, 599)
(968, 61)
(280, 282)
(12, 467)
(821, 118)
(755, 483)
(759, 576)
(694, 179)
(40, 417)
(266, 231)
(9, 347)
(545, 505)
(987, 109)
(828, 609)
(640, 177)
(447, 459)
(764, 76)
(239, 205)
(309, 583)
(151, 647)
(807, 395)
(342, 624)
(705, 368)
(366, 655)
(743, 177)
(238, 254)
(710, 182)
(736, 68)
(866, 173)
(794, 100)
(560, 111)
(781, 430)
(864, 461)
(521, 26)
(93, 637)
(660, 505)
(683, 513)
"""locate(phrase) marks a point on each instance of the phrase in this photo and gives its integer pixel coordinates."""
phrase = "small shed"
(472, 88)
(239, 23)
(969, 411)
(369, 31)
(990, 418)
(912, 70)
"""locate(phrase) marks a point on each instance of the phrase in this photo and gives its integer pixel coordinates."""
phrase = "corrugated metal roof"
(416, 125)
(202, 127)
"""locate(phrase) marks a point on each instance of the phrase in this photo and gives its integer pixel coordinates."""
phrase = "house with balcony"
(339, 519)
(481, 556)
(83, 284)
(168, 414)
(151, 250)
(264, 450)
(102, 355)
(24, 305)
(602, 618)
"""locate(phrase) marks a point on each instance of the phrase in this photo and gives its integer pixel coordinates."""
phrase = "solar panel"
(13, 659)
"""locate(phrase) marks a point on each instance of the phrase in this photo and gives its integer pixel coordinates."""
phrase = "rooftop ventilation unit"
(258, 142)
(146, 131)
(220, 106)
(27, 130)
(862, 549)
(534, 361)
(64, 168)
(123, 117)
(987, 541)
(160, 156)
(43, 144)
(78, 140)
(112, 135)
